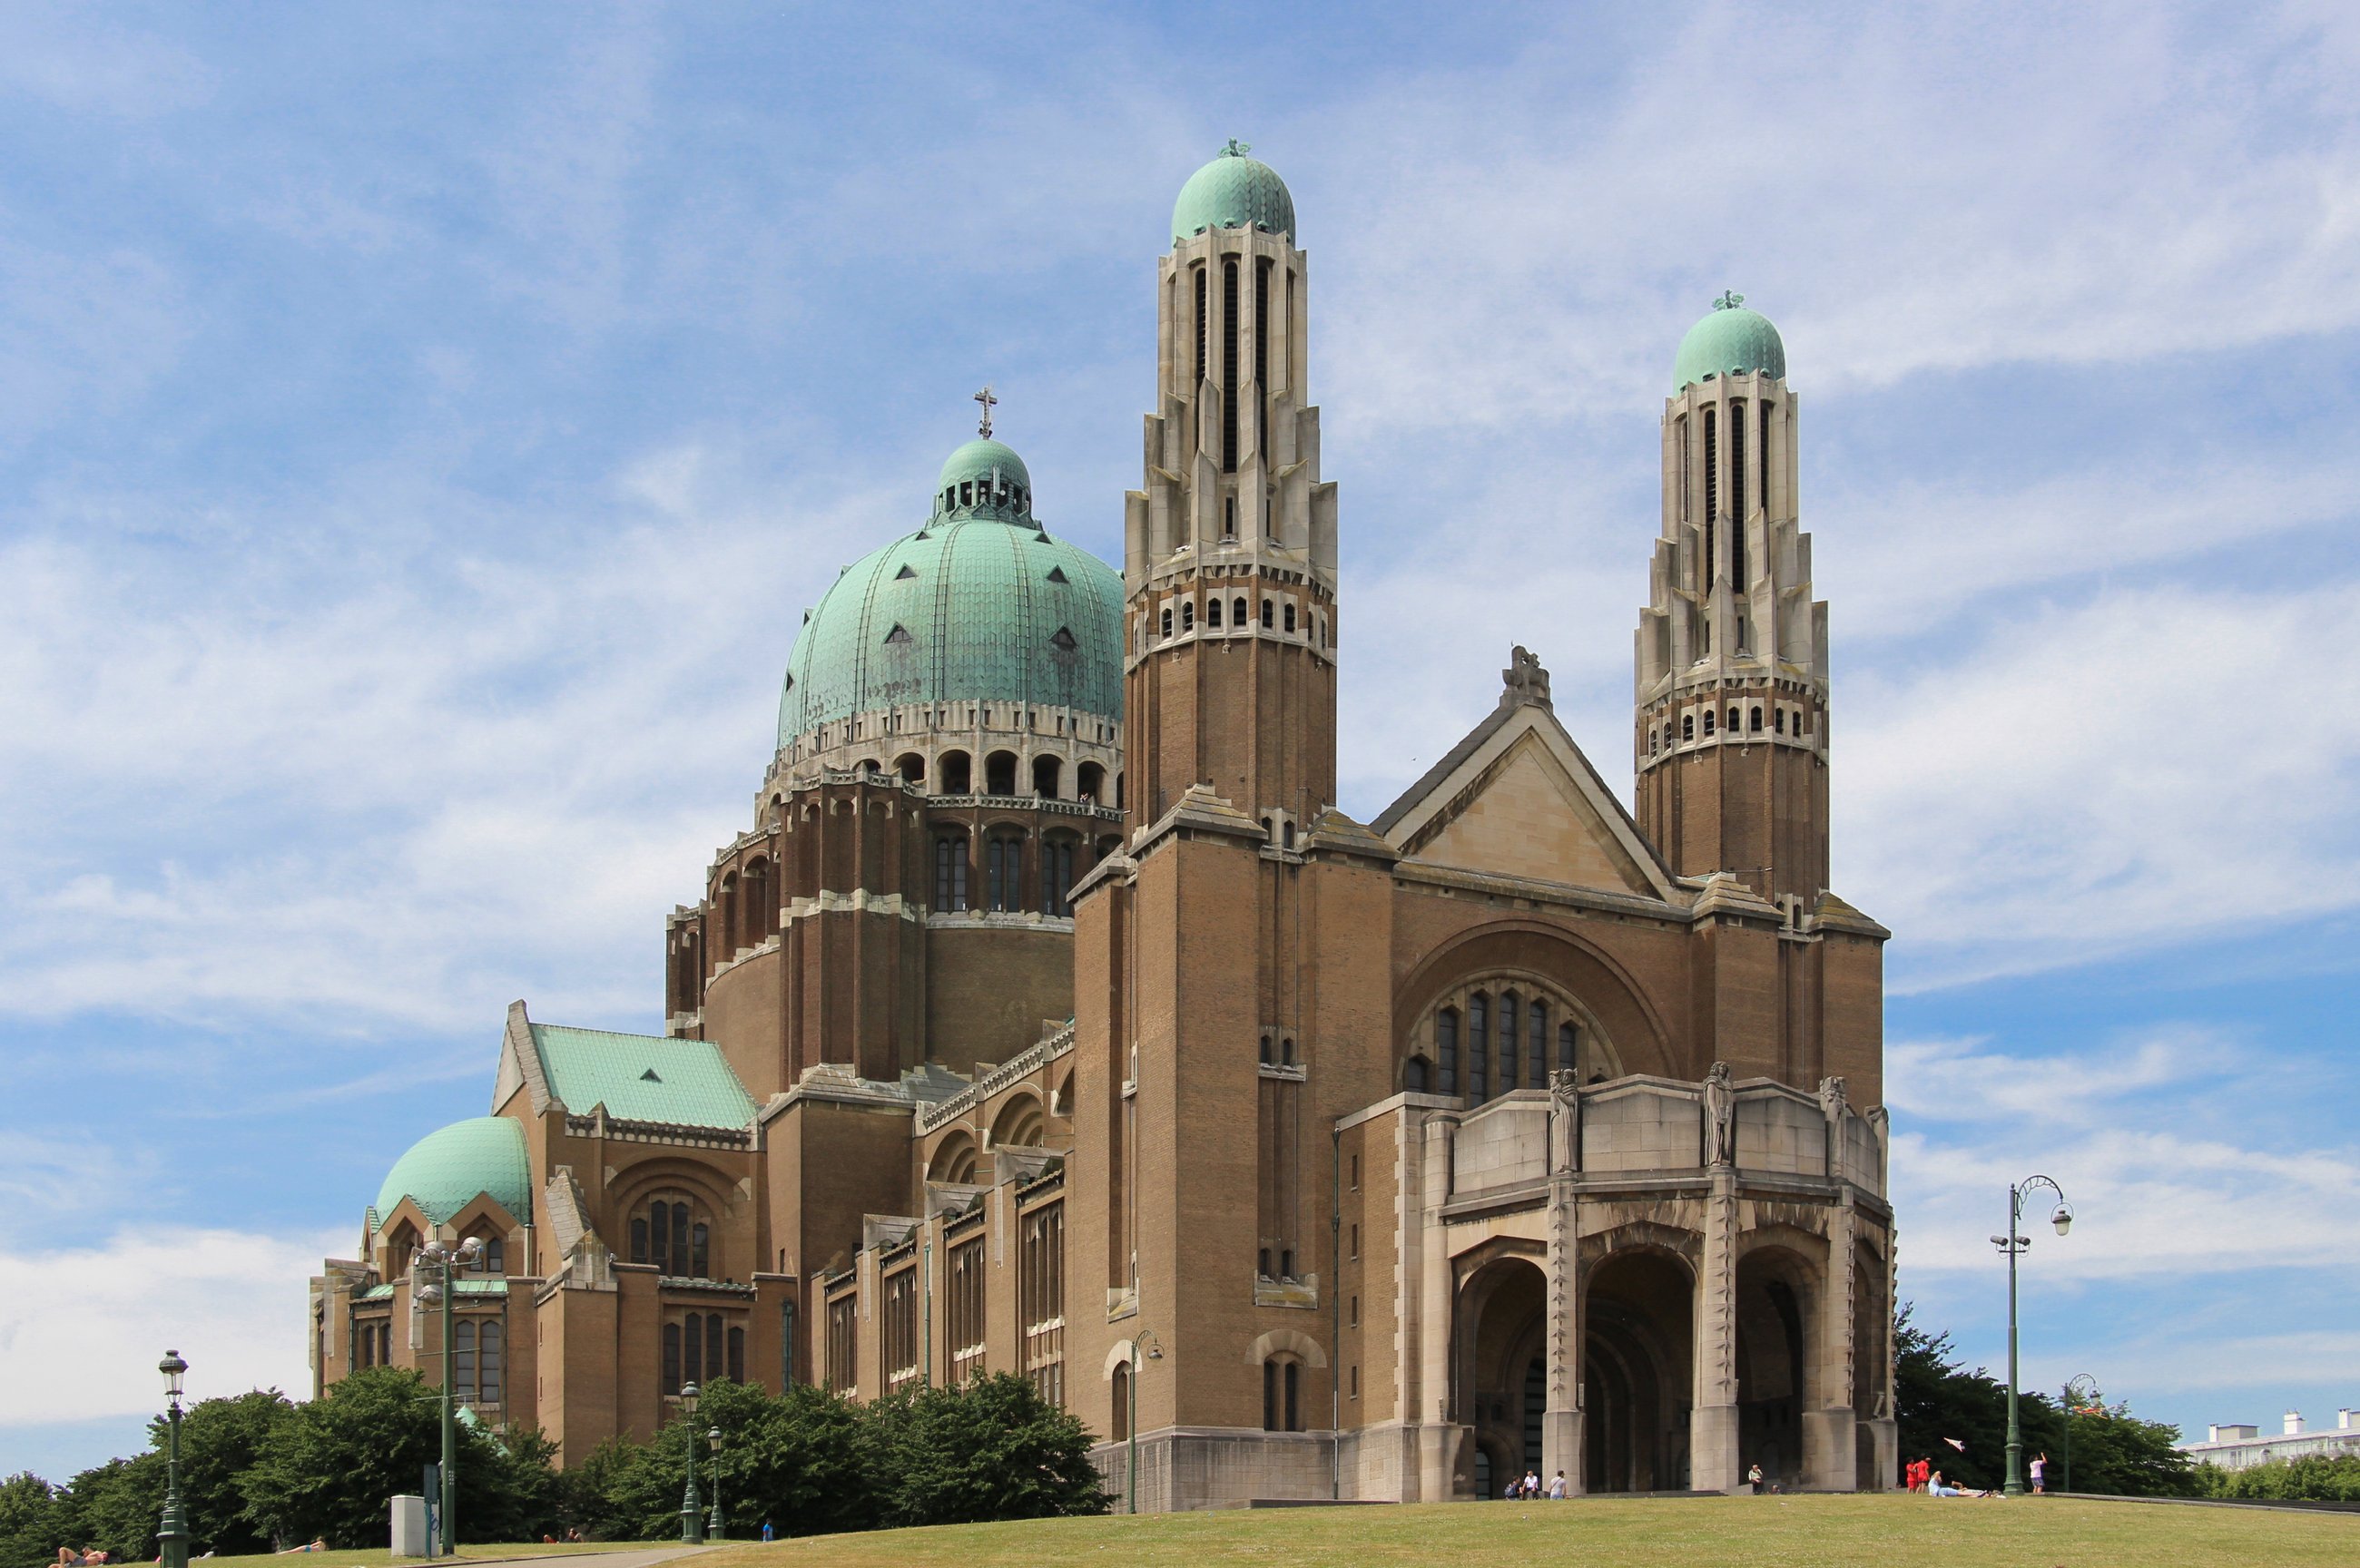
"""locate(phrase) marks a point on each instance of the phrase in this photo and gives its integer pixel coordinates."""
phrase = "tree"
(114, 1507)
(220, 1441)
(989, 1449)
(28, 1521)
(2316, 1479)
(1936, 1401)
(2116, 1453)
(330, 1468)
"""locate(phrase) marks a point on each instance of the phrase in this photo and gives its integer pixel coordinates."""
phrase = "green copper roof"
(1230, 193)
(642, 1078)
(445, 1170)
(1729, 341)
(981, 604)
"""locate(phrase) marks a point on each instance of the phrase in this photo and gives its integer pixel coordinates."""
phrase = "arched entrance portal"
(1775, 1296)
(1502, 1376)
(1636, 1355)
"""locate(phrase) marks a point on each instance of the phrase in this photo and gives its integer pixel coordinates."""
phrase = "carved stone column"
(1829, 1462)
(1437, 1436)
(1561, 1419)
(1712, 1425)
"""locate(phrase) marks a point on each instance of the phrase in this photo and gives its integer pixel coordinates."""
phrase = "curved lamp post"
(2080, 1398)
(435, 1272)
(691, 1514)
(172, 1533)
(713, 1436)
(2014, 1244)
(1155, 1350)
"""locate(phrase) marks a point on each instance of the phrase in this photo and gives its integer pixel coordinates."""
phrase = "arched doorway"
(1637, 1351)
(1775, 1295)
(1503, 1374)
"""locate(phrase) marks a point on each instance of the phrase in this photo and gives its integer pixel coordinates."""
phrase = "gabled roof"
(1521, 768)
(641, 1077)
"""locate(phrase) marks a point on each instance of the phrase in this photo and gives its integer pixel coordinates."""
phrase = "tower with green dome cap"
(1731, 730)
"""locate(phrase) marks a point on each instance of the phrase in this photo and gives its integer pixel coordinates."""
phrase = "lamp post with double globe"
(2014, 1244)
(172, 1532)
(691, 1513)
(713, 1436)
(434, 1273)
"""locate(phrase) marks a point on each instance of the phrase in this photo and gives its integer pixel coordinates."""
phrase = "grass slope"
(1884, 1531)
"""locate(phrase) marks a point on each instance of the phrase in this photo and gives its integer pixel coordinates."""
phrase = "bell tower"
(1229, 545)
(1731, 731)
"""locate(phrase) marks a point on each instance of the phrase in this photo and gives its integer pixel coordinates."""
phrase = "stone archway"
(1777, 1292)
(1638, 1356)
(1497, 1344)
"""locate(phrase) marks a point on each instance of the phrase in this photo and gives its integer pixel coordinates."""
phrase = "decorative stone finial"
(987, 399)
(1729, 301)
(1525, 679)
(1236, 148)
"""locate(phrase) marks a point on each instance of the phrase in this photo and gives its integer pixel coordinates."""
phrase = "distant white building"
(2235, 1447)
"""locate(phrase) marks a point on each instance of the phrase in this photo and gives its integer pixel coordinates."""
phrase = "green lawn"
(1884, 1531)
(372, 1557)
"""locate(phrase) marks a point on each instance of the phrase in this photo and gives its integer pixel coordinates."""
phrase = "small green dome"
(979, 459)
(444, 1170)
(981, 604)
(1729, 341)
(1230, 193)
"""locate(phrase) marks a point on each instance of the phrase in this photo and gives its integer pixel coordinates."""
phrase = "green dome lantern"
(1230, 193)
(1729, 341)
(982, 604)
(443, 1172)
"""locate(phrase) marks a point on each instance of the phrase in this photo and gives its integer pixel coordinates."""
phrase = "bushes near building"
(2316, 1479)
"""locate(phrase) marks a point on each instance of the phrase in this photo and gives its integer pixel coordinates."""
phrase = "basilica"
(1050, 1017)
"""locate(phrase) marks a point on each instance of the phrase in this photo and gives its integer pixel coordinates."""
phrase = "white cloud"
(82, 1328)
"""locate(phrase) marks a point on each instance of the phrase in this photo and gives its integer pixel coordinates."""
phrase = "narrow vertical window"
(1479, 1048)
(638, 1238)
(699, 1261)
(1121, 1394)
(1238, 611)
(1538, 1038)
(1445, 1049)
(1763, 448)
(1294, 1375)
(680, 1259)
(667, 1381)
(1568, 1047)
(660, 1222)
(1268, 613)
(786, 1345)
(1213, 605)
(1290, 617)
(1270, 1396)
(1202, 327)
(1511, 1015)
(736, 1367)
(1262, 363)
(1711, 488)
(692, 1343)
(1737, 492)
(488, 1365)
(1230, 366)
(463, 1380)
(1680, 433)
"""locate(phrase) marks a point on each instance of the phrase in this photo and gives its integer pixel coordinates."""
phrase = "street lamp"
(713, 1436)
(172, 1533)
(1130, 1414)
(433, 1272)
(691, 1516)
(2013, 1244)
(2081, 1396)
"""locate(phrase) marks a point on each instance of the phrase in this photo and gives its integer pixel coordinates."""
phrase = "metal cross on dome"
(987, 399)
(1729, 301)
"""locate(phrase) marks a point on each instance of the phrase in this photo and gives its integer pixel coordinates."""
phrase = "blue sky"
(420, 430)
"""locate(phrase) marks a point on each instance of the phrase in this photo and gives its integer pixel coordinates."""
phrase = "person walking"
(1557, 1487)
(1753, 1479)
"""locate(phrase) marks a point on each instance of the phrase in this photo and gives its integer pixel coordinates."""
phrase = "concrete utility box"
(410, 1539)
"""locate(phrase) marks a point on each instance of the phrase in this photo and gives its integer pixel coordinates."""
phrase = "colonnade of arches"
(1638, 1312)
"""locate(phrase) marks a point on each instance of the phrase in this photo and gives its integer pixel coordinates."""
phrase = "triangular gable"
(521, 1064)
(1518, 799)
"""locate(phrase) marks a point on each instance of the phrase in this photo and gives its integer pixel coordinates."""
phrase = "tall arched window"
(1414, 1076)
(1754, 720)
(1511, 1016)
(1004, 878)
(1268, 613)
(1290, 615)
(1121, 1424)
(1568, 1047)
(700, 1255)
(1229, 388)
(1282, 1395)
(488, 1365)
(1238, 611)
(950, 872)
(1187, 615)
(1445, 1049)
(1688, 726)
(1708, 721)
(1168, 621)
(667, 1375)
(1056, 876)
(1537, 1036)
(1213, 613)
(1479, 1048)
(463, 1376)
(787, 1343)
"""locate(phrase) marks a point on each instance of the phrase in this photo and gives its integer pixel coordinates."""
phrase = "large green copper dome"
(981, 604)
(1230, 193)
(1729, 341)
(445, 1170)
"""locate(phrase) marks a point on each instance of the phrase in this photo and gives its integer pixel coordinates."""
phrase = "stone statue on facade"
(1719, 1117)
(1565, 1120)
(1831, 1097)
(1524, 680)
